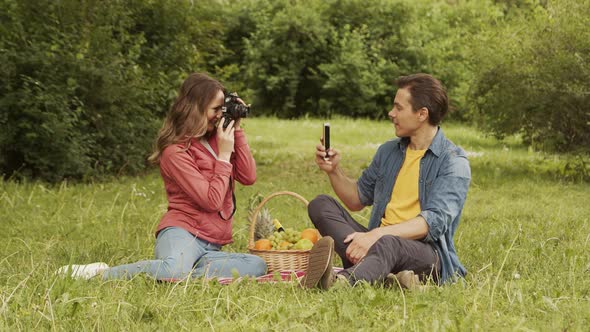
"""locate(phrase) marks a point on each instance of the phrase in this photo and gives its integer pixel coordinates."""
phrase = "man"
(417, 185)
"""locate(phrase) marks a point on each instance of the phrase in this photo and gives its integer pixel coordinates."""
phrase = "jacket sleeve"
(207, 194)
(242, 160)
(447, 196)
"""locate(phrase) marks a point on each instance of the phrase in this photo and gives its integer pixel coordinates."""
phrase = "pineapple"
(264, 225)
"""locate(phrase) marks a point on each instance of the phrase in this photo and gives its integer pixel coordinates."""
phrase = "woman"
(199, 161)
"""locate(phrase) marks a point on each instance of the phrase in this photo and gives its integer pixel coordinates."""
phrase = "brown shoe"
(335, 281)
(404, 279)
(328, 278)
(320, 259)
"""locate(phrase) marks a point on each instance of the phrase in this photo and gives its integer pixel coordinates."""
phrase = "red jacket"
(197, 187)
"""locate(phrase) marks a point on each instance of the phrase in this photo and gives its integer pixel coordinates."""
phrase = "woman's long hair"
(187, 117)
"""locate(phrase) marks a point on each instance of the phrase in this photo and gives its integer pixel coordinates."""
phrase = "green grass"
(524, 238)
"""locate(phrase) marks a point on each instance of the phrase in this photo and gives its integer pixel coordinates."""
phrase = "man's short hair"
(426, 91)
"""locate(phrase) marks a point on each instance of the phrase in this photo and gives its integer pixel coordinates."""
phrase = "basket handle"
(259, 207)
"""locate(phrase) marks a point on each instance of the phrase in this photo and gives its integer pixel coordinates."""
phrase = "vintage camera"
(233, 109)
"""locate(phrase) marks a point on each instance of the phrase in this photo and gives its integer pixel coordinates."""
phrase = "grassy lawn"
(524, 238)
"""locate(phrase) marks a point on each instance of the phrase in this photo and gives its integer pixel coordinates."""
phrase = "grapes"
(289, 235)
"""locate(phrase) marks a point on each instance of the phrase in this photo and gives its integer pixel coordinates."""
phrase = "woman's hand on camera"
(237, 124)
(327, 162)
(225, 140)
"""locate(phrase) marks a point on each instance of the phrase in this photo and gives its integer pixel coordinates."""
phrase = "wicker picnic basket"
(278, 260)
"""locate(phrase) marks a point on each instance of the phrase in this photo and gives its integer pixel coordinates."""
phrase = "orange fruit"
(285, 245)
(311, 234)
(263, 244)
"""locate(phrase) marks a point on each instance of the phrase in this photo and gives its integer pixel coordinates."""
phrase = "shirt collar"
(436, 146)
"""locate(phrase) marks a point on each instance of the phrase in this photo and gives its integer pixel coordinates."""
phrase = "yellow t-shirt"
(404, 203)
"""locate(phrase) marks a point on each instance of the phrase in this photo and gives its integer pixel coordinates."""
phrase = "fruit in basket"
(311, 234)
(292, 235)
(294, 239)
(285, 245)
(264, 225)
(263, 244)
(288, 235)
(303, 244)
(275, 240)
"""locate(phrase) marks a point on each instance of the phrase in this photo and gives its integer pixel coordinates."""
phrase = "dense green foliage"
(84, 85)
(533, 77)
(524, 238)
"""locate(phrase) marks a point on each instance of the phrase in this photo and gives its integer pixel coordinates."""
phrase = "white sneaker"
(82, 271)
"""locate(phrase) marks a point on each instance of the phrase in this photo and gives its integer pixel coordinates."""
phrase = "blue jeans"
(180, 254)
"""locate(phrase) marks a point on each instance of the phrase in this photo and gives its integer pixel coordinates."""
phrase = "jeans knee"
(317, 206)
(171, 268)
(258, 266)
(250, 265)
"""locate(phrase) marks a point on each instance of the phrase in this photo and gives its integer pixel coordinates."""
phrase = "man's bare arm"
(346, 189)
(413, 229)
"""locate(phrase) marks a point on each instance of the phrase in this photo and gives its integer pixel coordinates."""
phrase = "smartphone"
(327, 137)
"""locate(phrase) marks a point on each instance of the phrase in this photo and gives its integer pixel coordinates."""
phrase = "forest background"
(84, 84)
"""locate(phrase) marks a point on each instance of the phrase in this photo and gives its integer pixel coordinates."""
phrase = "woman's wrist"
(224, 156)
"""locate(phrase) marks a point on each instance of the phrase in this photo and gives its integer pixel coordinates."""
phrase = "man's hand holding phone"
(326, 157)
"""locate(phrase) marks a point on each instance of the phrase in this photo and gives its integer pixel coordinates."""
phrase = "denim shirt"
(444, 179)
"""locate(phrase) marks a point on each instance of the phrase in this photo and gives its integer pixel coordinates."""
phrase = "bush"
(282, 56)
(69, 90)
(532, 78)
(359, 82)
(84, 84)
(365, 57)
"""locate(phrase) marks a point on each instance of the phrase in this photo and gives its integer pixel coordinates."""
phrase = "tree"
(533, 78)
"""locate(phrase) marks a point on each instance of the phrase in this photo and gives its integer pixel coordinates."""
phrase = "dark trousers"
(390, 254)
